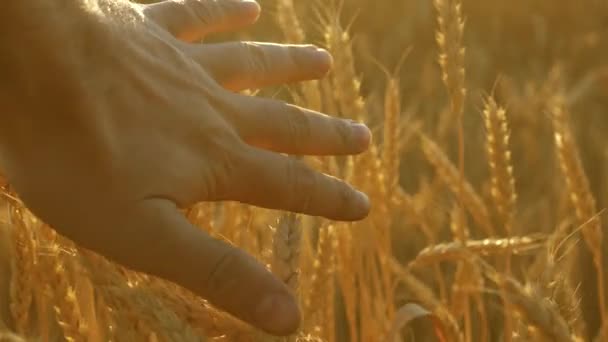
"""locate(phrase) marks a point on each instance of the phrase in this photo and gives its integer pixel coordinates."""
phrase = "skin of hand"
(115, 116)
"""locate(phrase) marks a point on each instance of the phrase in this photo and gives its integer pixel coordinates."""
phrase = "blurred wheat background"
(488, 178)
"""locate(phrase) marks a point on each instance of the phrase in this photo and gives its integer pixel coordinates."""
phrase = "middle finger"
(286, 128)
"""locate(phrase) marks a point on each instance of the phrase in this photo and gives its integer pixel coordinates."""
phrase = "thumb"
(157, 239)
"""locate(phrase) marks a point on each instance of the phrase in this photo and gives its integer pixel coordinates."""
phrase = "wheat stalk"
(581, 196)
(538, 311)
(320, 301)
(289, 21)
(345, 81)
(450, 176)
(426, 296)
(22, 269)
(455, 250)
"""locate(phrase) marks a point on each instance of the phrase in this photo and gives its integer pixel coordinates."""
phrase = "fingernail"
(319, 60)
(278, 313)
(249, 8)
(362, 136)
(324, 58)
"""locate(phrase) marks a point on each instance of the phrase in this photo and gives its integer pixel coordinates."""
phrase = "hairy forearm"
(45, 41)
(37, 36)
(31, 26)
(43, 51)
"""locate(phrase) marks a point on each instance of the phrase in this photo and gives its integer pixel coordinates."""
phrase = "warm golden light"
(487, 176)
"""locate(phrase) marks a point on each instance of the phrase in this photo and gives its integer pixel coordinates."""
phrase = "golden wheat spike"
(451, 51)
(286, 250)
(345, 80)
(68, 312)
(501, 166)
(579, 191)
(22, 270)
(539, 312)
(289, 22)
(454, 251)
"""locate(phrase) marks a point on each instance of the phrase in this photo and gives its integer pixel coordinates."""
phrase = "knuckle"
(293, 54)
(299, 55)
(343, 132)
(303, 183)
(298, 128)
(223, 151)
(223, 278)
(255, 59)
(345, 195)
(227, 159)
(205, 12)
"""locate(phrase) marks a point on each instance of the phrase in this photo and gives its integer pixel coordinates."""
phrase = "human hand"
(142, 122)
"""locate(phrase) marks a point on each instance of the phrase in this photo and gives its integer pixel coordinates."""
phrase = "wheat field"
(488, 177)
